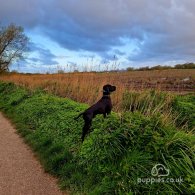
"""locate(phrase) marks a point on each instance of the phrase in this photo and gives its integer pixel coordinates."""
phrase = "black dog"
(103, 106)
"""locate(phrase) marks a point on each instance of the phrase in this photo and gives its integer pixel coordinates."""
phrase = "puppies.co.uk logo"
(159, 170)
(160, 174)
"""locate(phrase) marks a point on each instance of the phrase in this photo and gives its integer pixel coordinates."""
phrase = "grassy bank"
(120, 150)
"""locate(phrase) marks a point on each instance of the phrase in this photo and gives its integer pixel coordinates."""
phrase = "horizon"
(102, 35)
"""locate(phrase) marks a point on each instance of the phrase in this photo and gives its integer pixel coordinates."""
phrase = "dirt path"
(20, 172)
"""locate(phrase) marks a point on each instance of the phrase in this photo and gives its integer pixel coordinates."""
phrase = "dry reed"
(87, 87)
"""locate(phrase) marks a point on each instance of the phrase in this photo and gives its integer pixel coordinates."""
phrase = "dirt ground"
(20, 172)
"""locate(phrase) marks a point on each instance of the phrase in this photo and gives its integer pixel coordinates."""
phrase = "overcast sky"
(115, 33)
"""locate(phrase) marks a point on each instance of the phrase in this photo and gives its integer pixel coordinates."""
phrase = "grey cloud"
(118, 52)
(163, 29)
(43, 57)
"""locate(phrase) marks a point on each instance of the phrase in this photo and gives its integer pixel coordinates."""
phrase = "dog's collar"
(106, 96)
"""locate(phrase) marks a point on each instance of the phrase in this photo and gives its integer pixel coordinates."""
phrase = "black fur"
(103, 106)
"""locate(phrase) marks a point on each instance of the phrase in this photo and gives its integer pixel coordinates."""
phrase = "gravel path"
(20, 172)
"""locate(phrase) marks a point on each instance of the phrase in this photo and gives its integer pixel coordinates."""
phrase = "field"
(118, 155)
(87, 87)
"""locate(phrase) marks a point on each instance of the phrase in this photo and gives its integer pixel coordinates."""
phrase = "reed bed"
(87, 87)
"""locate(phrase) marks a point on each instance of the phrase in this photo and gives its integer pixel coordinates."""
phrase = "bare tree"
(13, 44)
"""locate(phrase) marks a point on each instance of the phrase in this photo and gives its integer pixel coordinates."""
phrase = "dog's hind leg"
(86, 126)
(85, 131)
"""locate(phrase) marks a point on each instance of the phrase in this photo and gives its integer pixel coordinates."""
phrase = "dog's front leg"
(108, 112)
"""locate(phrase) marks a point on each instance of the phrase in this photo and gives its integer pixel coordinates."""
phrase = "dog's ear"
(106, 88)
(113, 88)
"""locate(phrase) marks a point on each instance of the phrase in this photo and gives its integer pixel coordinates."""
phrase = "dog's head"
(107, 89)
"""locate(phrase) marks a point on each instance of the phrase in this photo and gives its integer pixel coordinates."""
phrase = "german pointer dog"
(103, 106)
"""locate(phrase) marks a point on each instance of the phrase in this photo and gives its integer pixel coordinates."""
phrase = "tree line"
(189, 65)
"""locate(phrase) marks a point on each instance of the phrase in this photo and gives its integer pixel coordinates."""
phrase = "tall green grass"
(173, 109)
(119, 150)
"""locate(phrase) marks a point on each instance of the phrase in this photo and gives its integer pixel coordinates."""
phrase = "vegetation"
(160, 67)
(121, 148)
(13, 43)
(185, 66)
(87, 87)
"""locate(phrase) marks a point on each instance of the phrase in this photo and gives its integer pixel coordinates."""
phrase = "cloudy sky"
(89, 34)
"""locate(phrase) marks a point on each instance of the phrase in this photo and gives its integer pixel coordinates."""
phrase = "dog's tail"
(75, 118)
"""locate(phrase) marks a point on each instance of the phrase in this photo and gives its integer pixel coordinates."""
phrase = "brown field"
(87, 87)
